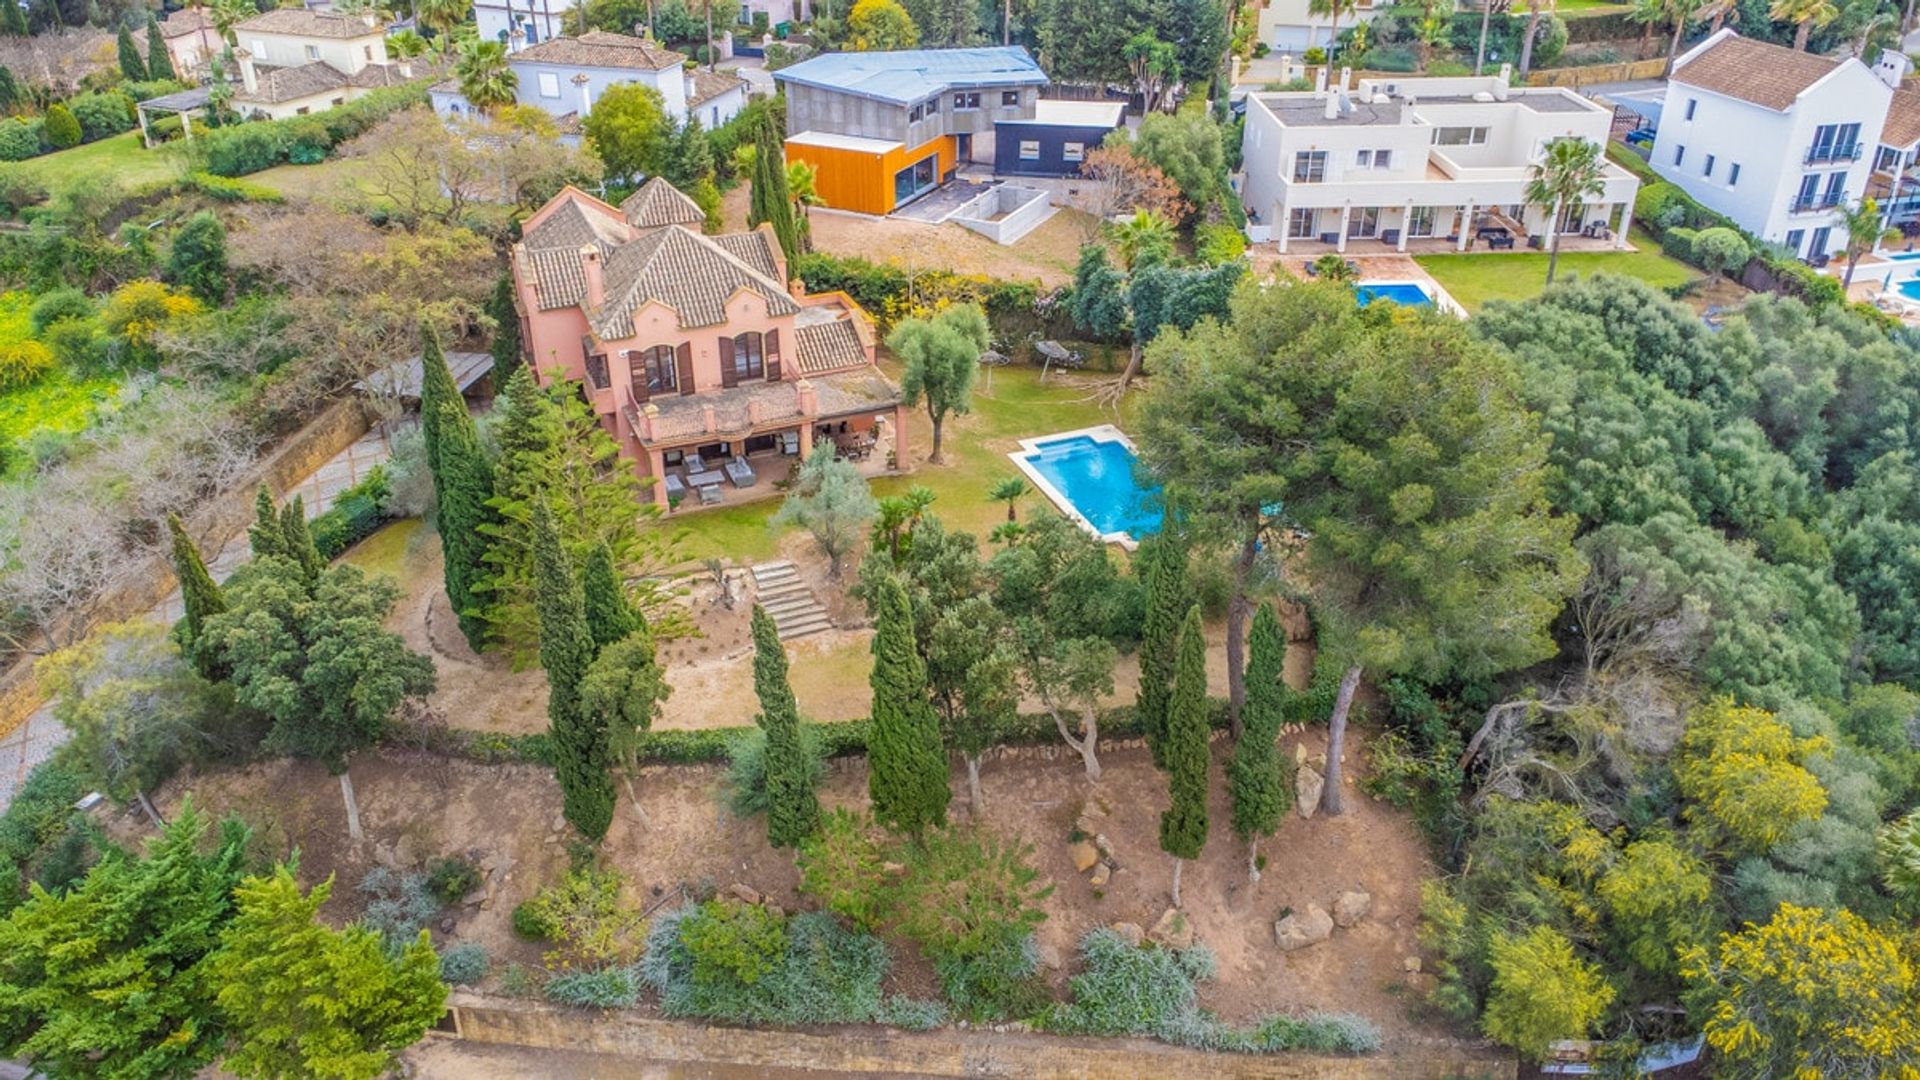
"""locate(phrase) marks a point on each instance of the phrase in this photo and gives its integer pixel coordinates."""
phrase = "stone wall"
(979, 1053)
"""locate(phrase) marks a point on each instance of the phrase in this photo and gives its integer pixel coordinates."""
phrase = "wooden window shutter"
(773, 356)
(637, 373)
(683, 360)
(726, 362)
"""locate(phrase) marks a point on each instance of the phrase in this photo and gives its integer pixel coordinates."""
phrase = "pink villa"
(710, 371)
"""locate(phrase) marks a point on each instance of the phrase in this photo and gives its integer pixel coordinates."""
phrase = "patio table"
(706, 478)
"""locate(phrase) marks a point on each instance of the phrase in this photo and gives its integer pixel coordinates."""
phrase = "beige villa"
(710, 370)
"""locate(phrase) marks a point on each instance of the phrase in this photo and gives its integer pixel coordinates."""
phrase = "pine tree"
(264, 536)
(159, 61)
(299, 540)
(1183, 827)
(581, 758)
(1164, 568)
(436, 386)
(609, 616)
(200, 595)
(906, 765)
(1259, 778)
(770, 201)
(131, 66)
(506, 345)
(461, 487)
(793, 810)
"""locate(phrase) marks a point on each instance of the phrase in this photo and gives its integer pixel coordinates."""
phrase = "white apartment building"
(1287, 27)
(536, 20)
(1399, 159)
(566, 75)
(292, 37)
(1775, 139)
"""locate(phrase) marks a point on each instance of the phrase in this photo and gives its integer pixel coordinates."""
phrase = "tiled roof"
(576, 222)
(1771, 76)
(681, 417)
(907, 75)
(703, 85)
(183, 22)
(1903, 120)
(276, 85)
(598, 48)
(755, 247)
(658, 203)
(829, 346)
(303, 23)
(558, 278)
(397, 73)
(685, 271)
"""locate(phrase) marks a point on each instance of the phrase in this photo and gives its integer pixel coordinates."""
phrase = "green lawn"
(1475, 279)
(976, 447)
(120, 157)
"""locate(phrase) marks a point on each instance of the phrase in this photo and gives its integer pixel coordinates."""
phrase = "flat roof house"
(1779, 140)
(1394, 160)
(884, 128)
(703, 365)
(566, 75)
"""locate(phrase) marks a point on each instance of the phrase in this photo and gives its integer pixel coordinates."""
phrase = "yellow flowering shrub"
(139, 310)
(1741, 772)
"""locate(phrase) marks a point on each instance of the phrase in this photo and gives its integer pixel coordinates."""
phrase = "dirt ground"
(416, 806)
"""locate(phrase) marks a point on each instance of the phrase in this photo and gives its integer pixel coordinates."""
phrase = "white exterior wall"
(1287, 28)
(1771, 149)
(292, 50)
(723, 108)
(550, 86)
(540, 20)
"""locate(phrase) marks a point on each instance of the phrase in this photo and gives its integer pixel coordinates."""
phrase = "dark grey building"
(1056, 139)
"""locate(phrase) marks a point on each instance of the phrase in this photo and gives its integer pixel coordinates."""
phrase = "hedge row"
(239, 149)
(880, 287)
(99, 116)
(1665, 209)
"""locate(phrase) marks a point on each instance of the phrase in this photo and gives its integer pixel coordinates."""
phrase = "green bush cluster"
(224, 189)
(608, 988)
(451, 878)
(881, 288)
(41, 811)
(464, 964)
(825, 974)
(401, 906)
(239, 149)
(19, 139)
(356, 513)
(103, 114)
(747, 770)
(1663, 208)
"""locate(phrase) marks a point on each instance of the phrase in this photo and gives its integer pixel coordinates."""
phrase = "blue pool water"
(1404, 293)
(1910, 289)
(1097, 478)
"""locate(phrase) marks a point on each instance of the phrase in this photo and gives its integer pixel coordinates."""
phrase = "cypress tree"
(506, 332)
(524, 432)
(265, 536)
(299, 541)
(461, 487)
(581, 756)
(610, 616)
(906, 764)
(159, 61)
(131, 65)
(1259, 777)
(199, 594)
(770, 200)
(1164, 568)
(793, 811)
(9, 88)
(15, 22)
(436, 387)
(1183, 827)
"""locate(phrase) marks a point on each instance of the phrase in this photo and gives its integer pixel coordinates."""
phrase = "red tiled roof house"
(692, 350)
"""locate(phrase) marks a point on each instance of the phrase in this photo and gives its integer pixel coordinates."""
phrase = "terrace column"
(900, 462)
(1626, 225)
(657, 469)
(1466, 226)
(1280, 219)
(1406, 225)
(1340, 241)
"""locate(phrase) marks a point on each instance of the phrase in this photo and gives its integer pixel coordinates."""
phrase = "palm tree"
(1865, 231)
(440, 16)
(1536, 9)
(1434, 28)
(1008, 490)
(227, 14)
(1331, 9)
(1680, 13)
(1488, 8)
(1882, 32)
(1718, 13)
(1567, 175)
(1144, 237)
(800, 188)
(1649, 14)
(1805, 15)
(485, 79)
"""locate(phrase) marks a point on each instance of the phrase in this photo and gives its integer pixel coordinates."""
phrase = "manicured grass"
(1475, 279)
(1017, 406)
(120, 158)
(384, 554)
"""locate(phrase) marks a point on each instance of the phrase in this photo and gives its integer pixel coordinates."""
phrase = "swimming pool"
(1404, 293)
(1088, 474)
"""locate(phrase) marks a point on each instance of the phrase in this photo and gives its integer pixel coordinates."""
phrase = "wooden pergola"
(182, 104)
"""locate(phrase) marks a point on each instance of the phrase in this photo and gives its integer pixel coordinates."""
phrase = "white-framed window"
(1300, 224)
(549, 84)
(1459, 136)
(1374, 159)
(1310, 167)
(1073, 151)
(969, 100)
(1029, 149)
(1009, 97)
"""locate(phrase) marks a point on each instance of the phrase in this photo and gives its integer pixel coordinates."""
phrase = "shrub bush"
(464, 964)
(41, 808)
(451, 878)
(65, 302)
(1218, 242)
(243, 148)
(62, 129)
(1678, 243)
(826, 975)
(23, 363)
(583, 916)
(19, 191)
(401, 906)
(356, 513)
(18, 140)
(224, 189)
(530, 922)
(733, 942)
(747, 772)
(103, 114)
(240, 149)
(608, 988)
(911, 1014)
(881, 288)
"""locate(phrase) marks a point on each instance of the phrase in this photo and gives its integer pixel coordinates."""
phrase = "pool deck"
(1102, 433)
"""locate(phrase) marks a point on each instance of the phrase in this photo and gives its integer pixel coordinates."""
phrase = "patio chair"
(711, 496)
(695, 464)
(1390, 237)
(1313, 271)
(740, 472)
(676, 487)
(790, 443)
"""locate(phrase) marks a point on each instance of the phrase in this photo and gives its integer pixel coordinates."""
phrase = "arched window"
(654, 372)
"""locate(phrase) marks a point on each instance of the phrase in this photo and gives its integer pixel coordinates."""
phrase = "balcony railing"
(1822, 154)
(1809, 203)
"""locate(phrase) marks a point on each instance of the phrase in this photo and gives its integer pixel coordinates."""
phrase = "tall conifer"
(436, 387)
(462, 484)
(159, 60)
(264, 536)
(1183, 827)
(131, 66)
(299, 539)
(610, 616)
(1164, 568)
(505, 347)
(1259, 777)
(906, 764)
(793, 810)
(200, 595)
(581, 756)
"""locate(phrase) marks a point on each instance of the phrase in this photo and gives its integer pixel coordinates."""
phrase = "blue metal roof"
(909, 75)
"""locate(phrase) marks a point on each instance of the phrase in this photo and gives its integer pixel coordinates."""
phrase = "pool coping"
(1442, 299)
(1098, 433)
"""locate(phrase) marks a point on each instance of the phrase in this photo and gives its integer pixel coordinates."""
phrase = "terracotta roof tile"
(598, 48)
(575, 223)
(1903, 120)
(688, 273)
(829, 346)
(755, 247)
(303, 23)
(183, 22)
(703, 85)
(658, 203)
(1771, 76)
(281, 84)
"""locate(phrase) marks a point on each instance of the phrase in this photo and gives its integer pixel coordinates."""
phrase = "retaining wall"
(1025, 208)
(978, 1053)
(1574, 78)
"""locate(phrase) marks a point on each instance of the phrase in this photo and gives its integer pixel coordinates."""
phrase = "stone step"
(772, 569)
(782, 586)
(788, 612)
(803, 629)
(773, 600)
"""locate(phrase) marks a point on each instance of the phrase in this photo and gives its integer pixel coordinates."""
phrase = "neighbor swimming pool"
(1404, 293)
(1089, 476)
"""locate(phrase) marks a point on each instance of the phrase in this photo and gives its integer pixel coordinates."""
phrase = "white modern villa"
(1778, 140)
(1287, 26)
(1441, 161)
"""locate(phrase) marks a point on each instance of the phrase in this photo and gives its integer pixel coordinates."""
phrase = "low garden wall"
(1576, 77)
(1005, 213)
(977, 1053)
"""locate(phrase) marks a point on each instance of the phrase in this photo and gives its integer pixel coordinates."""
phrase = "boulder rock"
(1299, 753)
(1049, 957)
(744, 893)
(403, 854)
(1129, 933)
(1084, 856)
(1350, 907)
(1173, 930)
(1101, 872)
(1104, 845)
(446, 925)
(1298, 930)
(1410, 965)
(1307, 785)
(776, 910)
(383, 855)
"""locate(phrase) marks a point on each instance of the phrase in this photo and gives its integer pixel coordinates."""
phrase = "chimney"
(596, 279)
(1506, 75)
(406, 69)
(1320, 80)
(586, 96)
(809, 399)
(1500, 90)
(367, 17)
(516, 40)
(1346, 77)
(649, 419)
(709, 419)
(249, 78)
(1333, 106)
